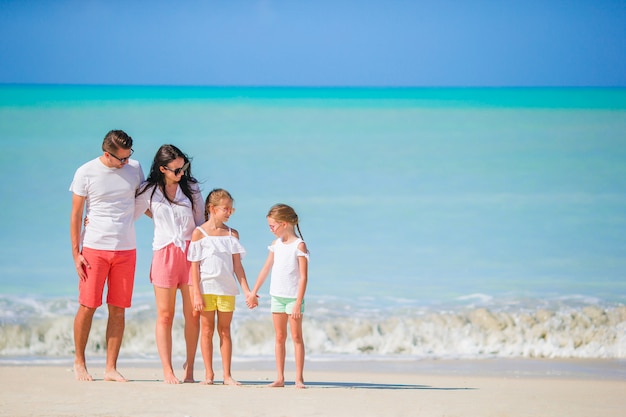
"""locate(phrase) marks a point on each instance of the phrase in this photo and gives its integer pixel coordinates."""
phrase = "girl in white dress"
(215, 254)
(288, 261)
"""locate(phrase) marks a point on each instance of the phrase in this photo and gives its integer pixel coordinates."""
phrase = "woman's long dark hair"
(165, 155)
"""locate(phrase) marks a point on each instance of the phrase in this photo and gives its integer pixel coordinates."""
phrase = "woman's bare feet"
(170, 378)
(277, 384)
(231, 381)
(81, 374)
(188, 375)
(208, 378)
(300, 385)
(114, 376)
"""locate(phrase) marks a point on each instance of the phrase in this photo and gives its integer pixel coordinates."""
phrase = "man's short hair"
(116, 140)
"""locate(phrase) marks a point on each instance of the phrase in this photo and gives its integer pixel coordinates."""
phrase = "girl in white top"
(215, 254)
(288, 261)
(172, 198)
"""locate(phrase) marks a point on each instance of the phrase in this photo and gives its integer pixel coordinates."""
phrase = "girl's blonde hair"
(284, 213)
(214, 199)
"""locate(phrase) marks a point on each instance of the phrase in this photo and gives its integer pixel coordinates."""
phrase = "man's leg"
(115, 332)
(89, 299)
(119, 295)
(82, 327)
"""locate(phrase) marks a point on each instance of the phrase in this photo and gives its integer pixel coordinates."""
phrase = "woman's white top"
(173, 222)
(285, 270)
(215, 254)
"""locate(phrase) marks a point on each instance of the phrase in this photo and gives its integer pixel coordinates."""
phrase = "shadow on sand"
(328, 384)
(359, 385)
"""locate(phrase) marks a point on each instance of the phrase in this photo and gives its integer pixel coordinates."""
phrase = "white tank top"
(285, 271)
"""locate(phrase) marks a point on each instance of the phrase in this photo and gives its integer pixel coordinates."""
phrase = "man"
(106, 252)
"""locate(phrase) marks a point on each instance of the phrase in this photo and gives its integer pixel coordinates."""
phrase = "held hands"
(252, 300)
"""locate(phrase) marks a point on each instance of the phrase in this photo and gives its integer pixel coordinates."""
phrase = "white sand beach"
(52, 391)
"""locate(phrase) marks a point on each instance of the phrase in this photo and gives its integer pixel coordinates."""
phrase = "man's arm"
(76, 223)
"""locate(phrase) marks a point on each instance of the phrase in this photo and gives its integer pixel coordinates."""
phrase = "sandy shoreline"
(334, 390)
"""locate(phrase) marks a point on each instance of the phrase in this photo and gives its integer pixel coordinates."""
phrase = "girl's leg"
(298, 347)
(192, 331)
(226, 344)
(280, 328)
(165, 303)
(207, 327)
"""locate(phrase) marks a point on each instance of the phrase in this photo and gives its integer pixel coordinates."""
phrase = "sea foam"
(557, 331)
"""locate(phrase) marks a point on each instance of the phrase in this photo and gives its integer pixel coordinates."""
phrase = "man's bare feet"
(277, 384)
(231, 381)
(206, 382)
(300, 385)
(81, 374)
(114, 376)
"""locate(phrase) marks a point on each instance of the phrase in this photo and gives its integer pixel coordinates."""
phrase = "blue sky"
(315, 43)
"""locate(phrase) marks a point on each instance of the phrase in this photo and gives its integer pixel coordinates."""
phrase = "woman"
(172, 198)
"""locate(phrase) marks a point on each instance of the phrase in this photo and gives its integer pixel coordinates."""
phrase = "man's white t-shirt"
(110, 203)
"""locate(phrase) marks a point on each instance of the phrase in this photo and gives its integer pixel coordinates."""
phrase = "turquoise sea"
(442, 222)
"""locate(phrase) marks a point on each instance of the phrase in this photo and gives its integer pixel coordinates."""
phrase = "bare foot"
(300, 385)
(81, 374)
(208, 378)
(114, 376)
(277, 384)
(170, 378)
(188, 374)
(231, 381)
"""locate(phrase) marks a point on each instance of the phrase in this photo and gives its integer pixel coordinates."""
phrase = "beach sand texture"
(53, 391)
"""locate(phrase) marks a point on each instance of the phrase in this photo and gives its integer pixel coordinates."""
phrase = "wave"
(44, 328)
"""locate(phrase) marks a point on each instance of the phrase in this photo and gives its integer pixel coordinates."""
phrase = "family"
(194, 251)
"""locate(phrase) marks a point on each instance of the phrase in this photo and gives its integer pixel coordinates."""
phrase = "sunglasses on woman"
(177, 171)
